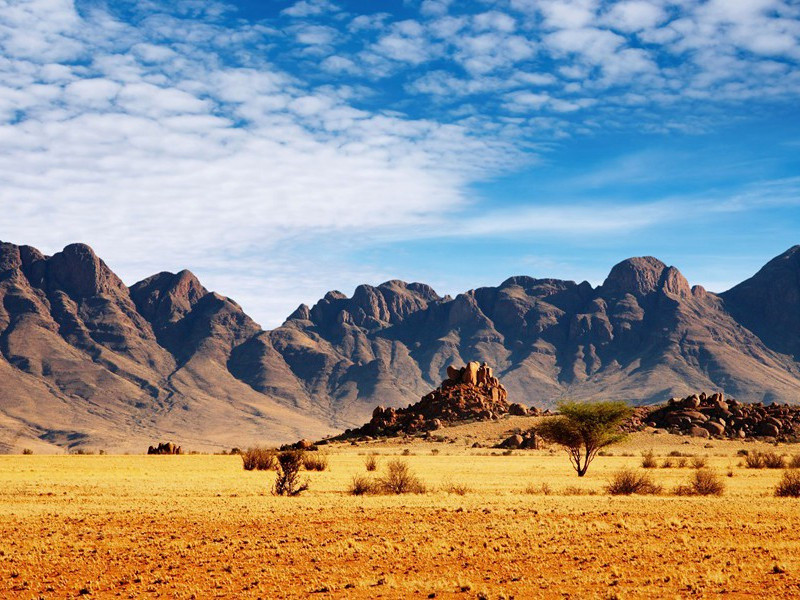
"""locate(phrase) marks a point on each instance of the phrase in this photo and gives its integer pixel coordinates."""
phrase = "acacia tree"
(584, 429)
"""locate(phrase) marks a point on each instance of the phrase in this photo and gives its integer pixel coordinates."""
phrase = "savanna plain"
(490, 525)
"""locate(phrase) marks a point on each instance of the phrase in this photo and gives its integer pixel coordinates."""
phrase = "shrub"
(400, 480)
(259, 459)
(699, 462)
(315, 461)
(773, 460)
(626, 482)
(544, 489)
(789, 485)
(754, 460)
(681, 463)
(667, 464)
(794, 462)
(371, 462)
(287, 483)
(649, 460)
(704, 482)
(361, 485)
(27, 451)
(458, 489)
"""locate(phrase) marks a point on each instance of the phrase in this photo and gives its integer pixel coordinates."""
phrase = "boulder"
(714, 428)
(514, 441)
(470, 374)
(517, 410)
(697, 431)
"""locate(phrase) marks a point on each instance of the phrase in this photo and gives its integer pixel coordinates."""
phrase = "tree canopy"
(585, 428)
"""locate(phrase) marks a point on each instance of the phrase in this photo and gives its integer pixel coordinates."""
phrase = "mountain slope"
(86, 361)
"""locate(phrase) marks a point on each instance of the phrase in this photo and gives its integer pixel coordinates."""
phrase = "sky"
(280, 148)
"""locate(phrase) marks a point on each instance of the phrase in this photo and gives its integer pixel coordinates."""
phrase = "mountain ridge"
(85, 359)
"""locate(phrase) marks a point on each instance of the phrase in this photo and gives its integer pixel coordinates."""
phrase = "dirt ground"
(201, 527)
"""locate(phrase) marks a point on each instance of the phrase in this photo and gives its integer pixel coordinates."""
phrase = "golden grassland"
(202, 527)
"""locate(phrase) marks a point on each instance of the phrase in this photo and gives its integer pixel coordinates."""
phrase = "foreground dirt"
(201, 527)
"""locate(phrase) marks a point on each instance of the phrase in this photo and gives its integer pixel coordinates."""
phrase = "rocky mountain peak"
(167, 297)
(79, 272)
(644, 275)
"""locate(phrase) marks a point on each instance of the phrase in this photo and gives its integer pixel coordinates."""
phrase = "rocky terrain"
(87, 361)
(713, 415)
(470, 393)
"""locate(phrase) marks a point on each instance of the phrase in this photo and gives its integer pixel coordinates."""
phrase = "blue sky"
(280, 149)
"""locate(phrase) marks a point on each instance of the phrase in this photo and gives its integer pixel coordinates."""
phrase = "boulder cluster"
(703, 415)
(469, 393)
(166, 448)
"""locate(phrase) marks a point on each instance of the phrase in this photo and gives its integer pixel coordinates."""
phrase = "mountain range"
(86, 361)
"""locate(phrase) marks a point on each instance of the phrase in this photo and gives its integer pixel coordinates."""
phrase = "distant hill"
(87, 361)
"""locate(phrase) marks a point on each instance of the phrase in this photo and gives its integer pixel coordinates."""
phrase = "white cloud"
(635, 15)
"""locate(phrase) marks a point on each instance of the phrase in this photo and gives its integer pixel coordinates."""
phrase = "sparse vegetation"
(315, 461)
(287, 482)
(543, 489)
(764, 460)
(666, 464)
(794, 461)
(704, 482)
(584, 429)
(699, 462)
(258, 459)
(27, 451)
(371, 462)
(361, 485)
(649, 460)
(626, 482)
(789, 485)
(400, 480)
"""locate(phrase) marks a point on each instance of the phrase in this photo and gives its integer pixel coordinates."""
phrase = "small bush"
(544, 490)
(773, 460)
(699, 462)
(681, 463)
(27, 451)
(649, 460)
(794, 462)
(626, 482)
(288, 481)
(371, 462)
(435, 452)
(258, 459)
(315, 461)
(789, 485)
(400, 480)
(459, 489)
(361, 485)
(676, 454)
(704, 482)
(666, 464)
(406, 452)
(754, 460)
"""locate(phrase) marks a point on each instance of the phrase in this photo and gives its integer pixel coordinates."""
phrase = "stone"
(697, 431)
(714, 428)
(470, 374)
(453, 373)
(514, 441)
(517, 410)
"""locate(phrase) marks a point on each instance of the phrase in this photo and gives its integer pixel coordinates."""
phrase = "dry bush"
(573, 490)
(789, 485)
(27, 451)
(754, 460)
(541, 490)
(287, 482)
(649, 460)
(699, 462)
(361, 485)
(794, 461)
(681, 463)
(400, 480)
(371, 462)
(458, 489)
(666, 464)
(704, 482)
(626, 482)
(259, 459)
(315, 461)
(773, 460)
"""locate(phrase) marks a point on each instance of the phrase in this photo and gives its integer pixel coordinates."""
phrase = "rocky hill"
(85, 360)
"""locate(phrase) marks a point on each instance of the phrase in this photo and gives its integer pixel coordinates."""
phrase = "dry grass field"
(202, 527)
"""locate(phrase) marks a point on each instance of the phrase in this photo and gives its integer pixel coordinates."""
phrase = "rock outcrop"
(714, 415)
(470, 393)
(165, 448)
